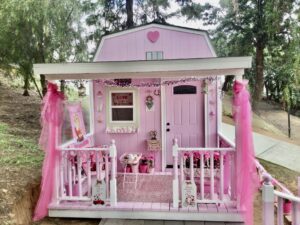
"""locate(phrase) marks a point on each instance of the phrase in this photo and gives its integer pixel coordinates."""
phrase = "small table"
(130, 159)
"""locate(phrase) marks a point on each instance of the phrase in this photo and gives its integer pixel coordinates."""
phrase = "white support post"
(175, 173)
(268, 201)
(113, 181)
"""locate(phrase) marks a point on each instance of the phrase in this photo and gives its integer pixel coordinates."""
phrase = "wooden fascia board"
(143, 69)
(168, 74)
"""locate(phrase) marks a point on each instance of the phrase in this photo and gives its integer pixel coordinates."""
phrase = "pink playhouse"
(153, 146)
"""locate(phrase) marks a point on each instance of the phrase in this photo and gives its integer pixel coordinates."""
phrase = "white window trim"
(132, 123)
(110, 106)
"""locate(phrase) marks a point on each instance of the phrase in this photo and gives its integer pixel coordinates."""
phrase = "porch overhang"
(145, 69)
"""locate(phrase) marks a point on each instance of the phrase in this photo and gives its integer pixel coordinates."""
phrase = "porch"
(200, 186)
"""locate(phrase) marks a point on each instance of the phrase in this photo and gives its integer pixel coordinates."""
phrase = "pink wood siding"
(174, 44)
(130, 142)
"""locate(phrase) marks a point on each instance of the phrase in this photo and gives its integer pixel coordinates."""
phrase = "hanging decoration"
(149, 103)
(100, 101)
(51, 119)
(112, 83)
(247, 181)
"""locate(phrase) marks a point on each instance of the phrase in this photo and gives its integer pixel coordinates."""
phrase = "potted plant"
(143, 165)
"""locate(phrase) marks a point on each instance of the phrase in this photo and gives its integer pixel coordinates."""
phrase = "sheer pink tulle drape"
(247, 178)
(51, 120)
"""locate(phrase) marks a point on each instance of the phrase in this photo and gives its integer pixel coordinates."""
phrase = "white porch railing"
(79, 167)
(210, 167)
(270, 196)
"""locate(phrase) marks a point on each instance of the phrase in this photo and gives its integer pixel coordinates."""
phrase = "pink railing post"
(268, 200)
(113, 181)
(175, 173)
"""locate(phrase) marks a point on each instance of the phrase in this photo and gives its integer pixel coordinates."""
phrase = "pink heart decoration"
(153, 36)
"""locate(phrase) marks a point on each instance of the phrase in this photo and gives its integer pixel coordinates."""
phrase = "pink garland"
(51, 119)
(247, 178)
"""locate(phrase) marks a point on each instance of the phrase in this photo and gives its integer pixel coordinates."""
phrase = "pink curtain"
(247, 178)
(51, 120)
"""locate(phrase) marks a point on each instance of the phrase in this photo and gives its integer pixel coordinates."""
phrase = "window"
(158, 55)
(122, 110)
(122, 107)
(184, 89)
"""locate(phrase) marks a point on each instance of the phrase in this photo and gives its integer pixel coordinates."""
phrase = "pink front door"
(184, 116)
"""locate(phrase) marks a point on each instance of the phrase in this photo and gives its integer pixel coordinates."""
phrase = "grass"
(18, 150)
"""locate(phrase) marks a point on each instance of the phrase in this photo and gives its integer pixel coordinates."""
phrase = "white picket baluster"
(268, 201)
(70, 177)
(89, 176)
(79, 166)
(175, 171)
(212, 179)
(280, 215)
(202, 175)
(61, 168)
(106, 165)
(192, 174)
(221, 175)
(98, 166)
(113, 182)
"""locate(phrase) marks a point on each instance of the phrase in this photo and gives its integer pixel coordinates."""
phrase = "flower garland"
(113, 83)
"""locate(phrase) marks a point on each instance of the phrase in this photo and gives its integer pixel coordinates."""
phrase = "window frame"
(135, 106)
(111, 106)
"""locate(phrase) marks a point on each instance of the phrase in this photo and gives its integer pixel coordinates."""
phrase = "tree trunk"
(62, 86)
(227, 82)
(26, 85)
(129, 12)
(259, 74)
(43, 84)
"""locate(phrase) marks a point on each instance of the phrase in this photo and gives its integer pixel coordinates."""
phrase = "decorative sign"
(77, 123)
(189, 194)
(99, 192)
(153, 36)
(122, 99)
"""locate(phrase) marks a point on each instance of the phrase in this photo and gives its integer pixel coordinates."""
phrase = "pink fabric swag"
(51, 120)
(247, 178)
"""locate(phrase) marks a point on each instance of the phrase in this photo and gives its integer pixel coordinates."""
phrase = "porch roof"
(216, 66)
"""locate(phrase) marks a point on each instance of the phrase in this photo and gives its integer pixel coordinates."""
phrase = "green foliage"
(16, 150)
(40, 31)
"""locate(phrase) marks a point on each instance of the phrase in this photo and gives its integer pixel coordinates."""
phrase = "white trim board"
(121, 214)
(145, 69)
(161, 26)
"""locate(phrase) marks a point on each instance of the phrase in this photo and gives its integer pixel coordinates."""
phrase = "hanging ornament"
(149, 103)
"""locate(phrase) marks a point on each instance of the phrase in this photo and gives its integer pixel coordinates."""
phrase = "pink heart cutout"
(153, 36)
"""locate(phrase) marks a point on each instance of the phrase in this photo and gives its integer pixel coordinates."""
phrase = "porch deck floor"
(151, 199)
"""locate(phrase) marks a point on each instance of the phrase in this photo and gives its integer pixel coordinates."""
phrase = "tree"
(40, 31)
